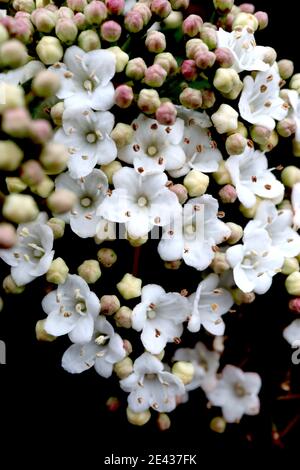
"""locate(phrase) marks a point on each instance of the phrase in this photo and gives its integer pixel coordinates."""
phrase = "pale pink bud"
(224, 57)
(110, 31)
(179, 4)
(180, 191)
(127, 346)
(115, 7)
(228, 194)
(8, 235)
(285, 68)
(43, 19)
(189, 69)
(66, 30)
(167, 61)
(235, 144)
(133, 21)
(110, 304)
(40, 131)
(123, 96)
(191, 98)
(16, 122)
(89, 40)
(76, 5)
(95, 12)
(260, 134)
(294, 305)
(148, 101)
(136, 68)
(80, 21)
(166, 114)
(155, 76)
(224, 6)
(286, 127)
(155, 41)
(113, 404)
(161, 8)
(144, 10)
(163, 422)
(192, 25)
(13, 53)
(61, 200)
(247, 7)
(22, 29)
(205, 60)
(31, 172)
(262, 18)
(208, 99)
(107, 257)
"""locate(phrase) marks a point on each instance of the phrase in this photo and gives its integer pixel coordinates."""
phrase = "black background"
(44, 410)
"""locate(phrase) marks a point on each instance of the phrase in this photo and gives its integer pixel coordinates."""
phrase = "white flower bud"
(236, 233)
(13, 53)
(89, 40)
(123, 368)
(290, 175)
(139, 241)
(10, 155)
(58, 271)
(123, 317)
(10, 287)
(8, 235)
(121, 58)
(196, 183)
(15, 184)
(290, 265)
(138, 419)
(285, 68)
(222, 176)
(90, 271)
(54, 158)
(46, 84)
(292, 283)
(184, 371)
(110, 304)
(219, 264)
(57, 112)
(122, 135)
(41, 333)
(111, 169)
(235, 144)
(20, 208)
(61, 201)
(225, 79)
(130, 287)
(225, 119)
(148, 101)
(44, 188)
(49, 50)
(13, 97)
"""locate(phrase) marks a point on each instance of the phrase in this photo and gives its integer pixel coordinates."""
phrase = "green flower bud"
(110, 304)
(45, 84)
(57, 226)
(121, 58)
(123, 317)
(90, 271)
(290, 175)
(15, 184)
(122, 134)
(225, 119)
(89, 40)
(123, 368)
(13, 53)
(107, 257)
(218, 424)
(44, 188)
(290, 265)
(196, 183)
(138, 419)
(236, 233)
(292, 283)
(20, 208)
(10, 287)
(49, 50)
(222, 176)
(58, 271)
(184, 371)
(61, 201)
(130, 287)
(10, 155)
(40, 332)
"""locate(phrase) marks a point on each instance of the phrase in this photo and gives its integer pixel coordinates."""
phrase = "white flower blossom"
(208, 304)
(292, 333)
(149, 386)
(194, 237)
(205, 362)
(251, 177)
(90, 191)
(86, 134)
(32, 255)
(200, 150)
(154, 147)
(159, 316)
(140, 201)
(22, 74)
(102, 351)
(236, 393)
(247, 55)
(295, 199)
(260, 102)
(255, 261)
(71, 308)
(86, 78)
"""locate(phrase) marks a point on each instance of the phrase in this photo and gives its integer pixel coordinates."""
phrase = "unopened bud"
(225, 79)
(58, 271)
(249, 212)
(123, 96)
(295, 82)
(61, 201)
(192, 25)
(286, 127)
(271, 142)
(222, 176)
(76, 5)
(180, 191)
(110, 304)
(16, 122)
(10, 287)
(155, 42)
(121, 58)
(148, 101)
(241, 297)
(205, 59)
(236, 233)
(54, 158)
(107, 257)
(44, 20)
(155, 76)
(235, 144)
(289, 266)
(13, 53)
(44, 188)
(218, 424)
(31, 172)
(136, 68)
(137, 241)
(225, 119)
(134, 21)
(179, 4)
(123, 368)
(130, 287)
(15, 184)
(209, 37)
(292, 283)
(57, 112)
(20, 208)
(173, 265)
(161, 8)
(138, 419)
(57, 226)
(49, 50)
(174, 20)
(10, 155)
(8, 235)
(246, 7)
(228, 194)
(224, 57)
(223, 6)
(115, 7)
(184, 371)
(167, 61)
(244, 20)
(113, 404)
(219, 263)
(89, 40)
(189, 70)
(270, 55)
(193, 46)
(166, 114)
(90, 271)
(123, 317)
(208, 99)
(262, 18)
(40, 131)
(46, 84)
(196, 183)
(191, 98)
(41, 333)
(110, 31)
(294, 305)
(163, 422)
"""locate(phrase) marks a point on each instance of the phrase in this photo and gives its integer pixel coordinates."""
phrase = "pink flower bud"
(144, 10)
(209, 36)
(7, 235)
(180, 191)
(16, 122)
(192, 25)
(179, 4)
(155, 42)
(191, 98)
(115, 7)
(155, 76)
(22, 29)
(205, 60)
(95, 12)
(113, 404)
(260, 134)
(166, 114)
(31, 172)
(80, 21)
(224, 57)
(189, 69)
(127, 346)
(161, 8)
(247, 7)
(133, 21)
(228, 194)
(286, 127)
(43, 19)
(208, 99)
(110, 31)
(123, 96)
(136, 68)
(262, 18)
(76, 5)
(294, 305)
(40, 131)
(66, 30)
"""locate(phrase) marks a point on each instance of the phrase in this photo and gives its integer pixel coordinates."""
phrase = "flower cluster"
(107, 128)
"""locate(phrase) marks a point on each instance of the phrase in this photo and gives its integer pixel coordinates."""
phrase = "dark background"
(56, 413)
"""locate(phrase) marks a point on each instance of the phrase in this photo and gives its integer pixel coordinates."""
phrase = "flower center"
(152, 150)
(150, 376)
(37, 251)
(88, 85)
(91, 137)
(80, 307)
(239, 390)
(151, 314)
(190, 229)
(86, 201)
(101, 340)
(142, 201)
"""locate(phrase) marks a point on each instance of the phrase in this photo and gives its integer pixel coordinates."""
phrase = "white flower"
(90, 192)
(278, 225)
(205, 362)
(200, 150)
(292, 333)
(251, 177)
(22, 74)
(71, 309)
(140, 201)
(128, 5)
(86, 134)
(159, 316)
(294, 110)
(208, 304)
(86, 78)
(32, 255)
(154, 147)
(260, 103)
(150, 386)
(102, 351)
(194, 237)
(255, 261)
(247, 55)
(236, 393)
(295, 199)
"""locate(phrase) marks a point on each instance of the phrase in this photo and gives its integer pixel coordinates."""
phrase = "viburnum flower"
(154, 147)
(205, 362)
(255, 261)
(278, 225)
(86, 134)
(251, 177)
(194, 236)
(260, 102)
(292, 333)
(295, 199)
(236, 393)
(86, 78)
(102, 351)
(90, 191)
(140, 201)
(71, 308)
(159, 316)
(32, 255)
(247, 55)
(208, 304)
(150, 386)
(22, 74)
(200, 150)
